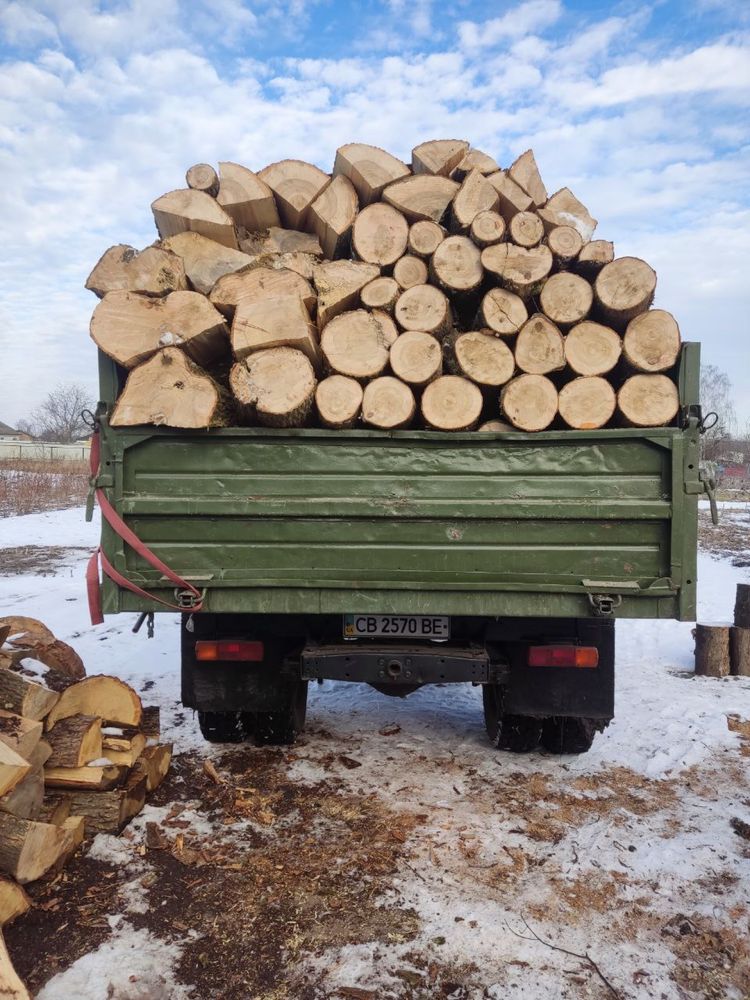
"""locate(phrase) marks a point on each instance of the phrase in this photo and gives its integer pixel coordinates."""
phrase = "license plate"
(397, 626)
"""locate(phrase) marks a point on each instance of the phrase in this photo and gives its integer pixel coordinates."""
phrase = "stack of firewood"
(721, 650)
(447, 295)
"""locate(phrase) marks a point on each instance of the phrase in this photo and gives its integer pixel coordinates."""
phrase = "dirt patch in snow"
(38, 560)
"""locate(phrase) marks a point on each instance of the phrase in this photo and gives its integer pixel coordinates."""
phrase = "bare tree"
(716, 397)
(58, 417)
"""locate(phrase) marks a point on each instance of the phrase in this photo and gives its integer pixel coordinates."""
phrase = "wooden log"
(529, 402)
(564, 209)
(275, 387)
(153, 271)
(587, 403)
(91, 777)
(28, 849)
(20, 734)
(388, 404)
(332, 216)
(503, 312)
(357, 343)
(13, 768)
(487, 229)
(495, 427)
(379, 235)
(739, 651)
(131, 328)
(592, 349)
(525, 172)
(648, 400)
(14, 902)
(593, 257)
(475, 159)
(75, 741)
(479, 356)
(154, 763)
(110, 812)
(256, 283)
(369, 168)
(203, 177)
(25, 800)
(39, 755)
(11, 985)
(566, 299)
(382, 293)
(511, 197)
(25, 697)
(652, 341)
(712, 650)
(339, 284)
(517, 269)
(108, 697)
(742, 606)
(204, 260)
(624, 289)
(422, 197)
(246, 198)
(150, 724)
(451, 403)
(169, 390)
(192, 211)
(296, 185)
(475, 195)
(75, 830)
(424, 308)
(526, 229)
(21, 627)
(409, 271)
(416, 358)
(424, 238)
(126, 755)
(338, 400)
(280, 321)
(456, 265)
(55, 809)
(540, 348)
(438, 156)
(52, 653)
(281, 241)
(566, 243)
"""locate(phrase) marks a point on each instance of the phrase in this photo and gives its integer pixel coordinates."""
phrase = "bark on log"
(742, 606)
(712, 650)
(592, 349)
(438, 156)
(409, 271)
(39, 755)
(203, 177)
(379, 235)
(131, 328)
(153, 271)
(587, 403)
(29, 849)
(652, 341)
(109, 812)
(247, 199)
(55, 809)
(75, 741)
(275, 387)
(169, 390)
(126, 755)
(480, 357)
(52, 653)
(11, 984)
(338, 400)
(382, 293)
(204, 260)
(339, 284)
(357, 343)
(280, 321)
(424, 308)
(566, 299)
(20, 734)
(388, 404)
(257, 283)
(487, 229)
(20, 626)
(502, 312)
(424, 238)
(154, 764)
(517, 269)
(25, 697)
(475, 195)
(108, 697)
(416, 358)
(594, 256)
(91, 777)
(525, 172)
(422, 197)
(511, 197)
(566, 243)
(540, 348)
(150, 724)
(526, 229)
(25, 800)
(296, 185)
(186, 210)
(564, 209)
(475, 159)
(13, 768)
(13, 901)
(276, 241)
(739, 651)
(624, 289)
(529, 402)
(648, 400)
(332, 216)
(456, 265)
(369, 168)
(451, 403)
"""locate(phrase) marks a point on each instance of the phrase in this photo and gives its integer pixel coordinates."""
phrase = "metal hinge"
(604, 604)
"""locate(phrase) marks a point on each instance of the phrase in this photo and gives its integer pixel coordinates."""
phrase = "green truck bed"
(314, 521)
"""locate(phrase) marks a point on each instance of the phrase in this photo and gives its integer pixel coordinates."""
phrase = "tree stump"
(739, 651)
(712, 650)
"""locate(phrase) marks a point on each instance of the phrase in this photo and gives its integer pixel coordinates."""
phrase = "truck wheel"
(516, 733)
(221, 727)
(563, 734)
(281, 727)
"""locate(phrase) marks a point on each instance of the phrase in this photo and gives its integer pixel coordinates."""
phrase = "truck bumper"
(396, 664)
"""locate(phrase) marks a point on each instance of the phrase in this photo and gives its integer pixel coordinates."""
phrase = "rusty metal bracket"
(604, 604)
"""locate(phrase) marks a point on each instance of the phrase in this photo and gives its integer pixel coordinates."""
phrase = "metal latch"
(709, 488)
(187, 600)
(604, 604)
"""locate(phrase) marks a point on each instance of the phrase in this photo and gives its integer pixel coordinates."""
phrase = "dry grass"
(27, 487)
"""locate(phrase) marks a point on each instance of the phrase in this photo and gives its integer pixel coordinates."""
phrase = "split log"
(75, 741)
(338, 399)
(203, 177)
(438, 156)
(296, 185)
(451, 403)
(525, 172)
(511, 197)
(742, 606)
(526, 229)
(204, 260)
(502, 312)
(280, 321)
(529, 402)
(456, 265)
(475, 195)
(275, 387)
(519, 270)
(540, 348)
(150, 724)
(256, 283)
(422, 197)
(20, 734)
(153, 271)
(332, 216)
(91, 777)
(382, 293)
(424, 308)
(108, 697)
(75, 830)
(624, 289)
(379, 235)
(739, 651)
(339, 284)
(109, 812)
(11, 986)
(388, 404)
(409, 271)
(154, 764)
(127, 755)
(424, 238)
(480, 357)
(564, 209)
(648, 400)
(565, 242)
(130, 328)
(169, 390)
(487, 229)
(55, 809)
(496, 427)
(13, 768)
(25, 697)
(594, 256)
(13, 901)
(39, 755)
(53, 653)
(587, 403)
(246, 198)
(712, 651)
(566, 299)
(20, 626)
(475, 159)
(592, 349)
(25, 800)
(28, 849)
(192, 211)
(281, 241)
(652, 341)
(416, 358)
(369, 168)
(357, 343)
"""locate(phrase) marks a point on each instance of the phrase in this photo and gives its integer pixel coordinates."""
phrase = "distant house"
(11, 434)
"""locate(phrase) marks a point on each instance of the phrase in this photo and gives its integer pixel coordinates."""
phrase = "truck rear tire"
(515, 733)
(565, 735)
(281, 727)
(221, 727)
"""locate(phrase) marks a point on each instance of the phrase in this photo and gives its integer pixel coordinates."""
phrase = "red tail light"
(563, 656)
(229, 649)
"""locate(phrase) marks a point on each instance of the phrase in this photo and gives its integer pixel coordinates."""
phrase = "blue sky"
(642, 109)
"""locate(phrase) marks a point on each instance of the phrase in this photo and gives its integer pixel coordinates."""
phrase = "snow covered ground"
(480, 865)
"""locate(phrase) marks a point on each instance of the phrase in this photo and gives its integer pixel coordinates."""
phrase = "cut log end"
(479, 356)
(274, 387)
(424, 308)
(451, 403)
(526, 229)
(529, 402)
(540, 348)
(519, 270)
(648, 401)
(652, 341)
(487, 229)
(409, 271)
(456, 265)
(424, 238)
(382, 293)
(388, 404)
(502, 312)
(565, 242)
(416, 358)
(338, 400)
(587, 403)
(357, 343)
(625, 289)
(203, 177)
(566, 299)
(592, 349)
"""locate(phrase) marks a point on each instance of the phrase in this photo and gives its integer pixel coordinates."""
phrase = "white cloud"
(535, 15)
(21, 25)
